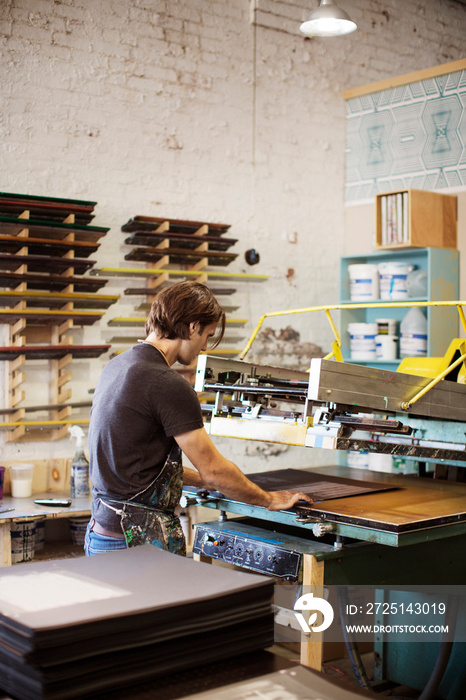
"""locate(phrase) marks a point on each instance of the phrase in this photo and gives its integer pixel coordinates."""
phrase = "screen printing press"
(371, 529)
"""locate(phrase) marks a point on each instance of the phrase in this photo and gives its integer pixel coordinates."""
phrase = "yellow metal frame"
(336, 345)
(456, 345)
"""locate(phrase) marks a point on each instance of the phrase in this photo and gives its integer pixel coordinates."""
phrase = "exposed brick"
(73, 12)
(5, 28)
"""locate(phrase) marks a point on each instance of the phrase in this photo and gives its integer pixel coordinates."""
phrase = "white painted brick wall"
(186, 109)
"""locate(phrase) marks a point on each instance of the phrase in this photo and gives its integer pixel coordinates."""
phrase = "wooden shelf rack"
(46, 244)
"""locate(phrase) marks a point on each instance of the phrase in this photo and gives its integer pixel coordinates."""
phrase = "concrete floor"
(342, 668)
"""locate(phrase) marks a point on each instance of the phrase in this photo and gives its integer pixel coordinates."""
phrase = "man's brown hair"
(176, 307)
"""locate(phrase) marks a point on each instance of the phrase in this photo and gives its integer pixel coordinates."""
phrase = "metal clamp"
(304, 519)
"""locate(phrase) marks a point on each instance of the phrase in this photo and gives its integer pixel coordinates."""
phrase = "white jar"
(386, 347)
(21, 480)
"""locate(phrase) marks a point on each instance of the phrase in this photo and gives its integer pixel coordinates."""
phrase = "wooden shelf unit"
(419, 219)
(43, 333)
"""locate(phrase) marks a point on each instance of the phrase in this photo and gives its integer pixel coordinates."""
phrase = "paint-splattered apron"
(149, 516)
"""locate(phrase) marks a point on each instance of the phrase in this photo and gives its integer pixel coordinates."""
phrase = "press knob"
(186, 501)
(321, 529)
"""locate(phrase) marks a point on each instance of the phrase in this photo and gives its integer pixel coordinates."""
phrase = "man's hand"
(282, 500)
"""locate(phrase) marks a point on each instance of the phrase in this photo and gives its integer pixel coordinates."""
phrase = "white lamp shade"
(328, 20)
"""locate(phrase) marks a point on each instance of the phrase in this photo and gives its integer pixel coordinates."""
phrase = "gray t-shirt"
(139, 404)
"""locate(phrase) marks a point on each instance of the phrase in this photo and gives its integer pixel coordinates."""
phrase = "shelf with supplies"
(433, 276)
(415, 218)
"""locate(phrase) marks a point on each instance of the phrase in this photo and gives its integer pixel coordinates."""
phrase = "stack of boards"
(74, 628)
(183, 242)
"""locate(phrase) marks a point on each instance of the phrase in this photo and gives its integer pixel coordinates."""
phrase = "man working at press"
(144, 416)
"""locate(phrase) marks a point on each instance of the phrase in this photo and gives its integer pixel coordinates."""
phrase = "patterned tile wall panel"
(411, 136)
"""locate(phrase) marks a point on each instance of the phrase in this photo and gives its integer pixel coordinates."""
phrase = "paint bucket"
(40, 535)
(362, 340)
(23, 541)
(78, 528)
(364, 282)
(21, 480)
(386, 347)
(386, 326)
(394, 280)
(2, 478)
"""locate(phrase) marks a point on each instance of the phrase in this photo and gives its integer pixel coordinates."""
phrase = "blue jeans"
(99, 544)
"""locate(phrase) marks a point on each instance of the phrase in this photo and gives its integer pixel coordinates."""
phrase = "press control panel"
(233, 546)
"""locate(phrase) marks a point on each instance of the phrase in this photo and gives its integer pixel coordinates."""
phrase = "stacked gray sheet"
(76, 627)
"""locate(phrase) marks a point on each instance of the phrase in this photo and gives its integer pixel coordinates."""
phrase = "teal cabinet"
(442, 268)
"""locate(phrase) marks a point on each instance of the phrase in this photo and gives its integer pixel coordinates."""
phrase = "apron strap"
(118, 511)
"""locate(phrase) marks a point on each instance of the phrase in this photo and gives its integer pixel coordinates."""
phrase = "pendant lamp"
(328, 20)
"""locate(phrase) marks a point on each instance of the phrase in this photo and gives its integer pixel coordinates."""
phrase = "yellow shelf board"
(66, 296)
(217, 351)
(229, 351)
(31, 313)
(42, 423)
(155, 272)
(141, 320)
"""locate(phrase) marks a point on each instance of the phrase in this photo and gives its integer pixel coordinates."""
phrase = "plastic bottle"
(413, 336)
(79, 466)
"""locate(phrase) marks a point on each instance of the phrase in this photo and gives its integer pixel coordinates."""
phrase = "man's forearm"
(215, 472)
(227, 478)
(234, 485)
(191, 477)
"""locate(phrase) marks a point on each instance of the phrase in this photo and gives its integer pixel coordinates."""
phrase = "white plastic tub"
(362, 340)
(364, 282)
(394, 280)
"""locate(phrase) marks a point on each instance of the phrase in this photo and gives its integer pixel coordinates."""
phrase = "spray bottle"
(79, 465)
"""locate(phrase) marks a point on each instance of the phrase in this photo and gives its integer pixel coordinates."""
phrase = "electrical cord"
(351, 646)
(444, 654)
(441, 663)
